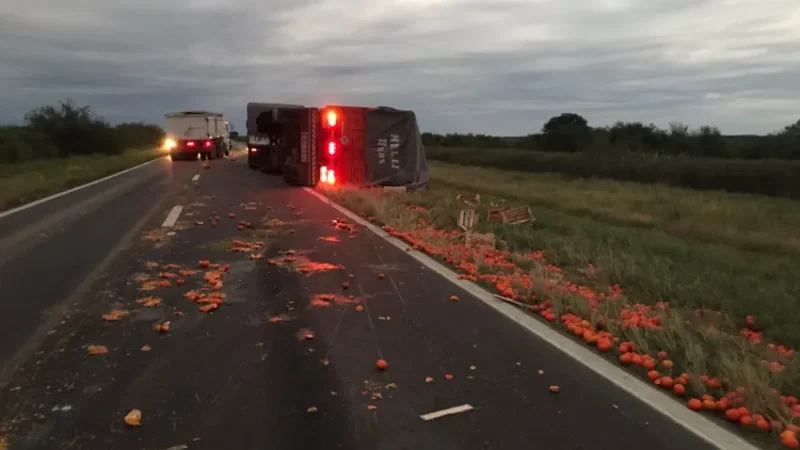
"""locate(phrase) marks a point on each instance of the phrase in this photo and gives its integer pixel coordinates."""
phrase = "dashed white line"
(196, 177)
(172, 217)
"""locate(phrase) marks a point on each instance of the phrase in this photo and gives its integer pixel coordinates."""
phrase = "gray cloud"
(492, 66)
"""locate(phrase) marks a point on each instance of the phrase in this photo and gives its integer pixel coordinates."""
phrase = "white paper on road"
(446, 412)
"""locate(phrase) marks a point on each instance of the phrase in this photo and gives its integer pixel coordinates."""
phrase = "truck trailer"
(193, 133)
(339, 144)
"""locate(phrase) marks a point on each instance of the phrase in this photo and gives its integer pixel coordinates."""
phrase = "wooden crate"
(467, 219)
(516, 216)
(495, 215)
(481, 240)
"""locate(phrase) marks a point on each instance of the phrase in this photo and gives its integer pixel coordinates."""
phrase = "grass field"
(776, 178)
(28, 181)
(734, 254)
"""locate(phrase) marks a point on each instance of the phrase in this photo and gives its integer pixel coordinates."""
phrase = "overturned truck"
(337, 145)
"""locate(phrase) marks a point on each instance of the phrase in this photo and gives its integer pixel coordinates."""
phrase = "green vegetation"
(25, 182)
(63, 146)
(70, 130)
(767, 177)
(571, 133)
(702, 159)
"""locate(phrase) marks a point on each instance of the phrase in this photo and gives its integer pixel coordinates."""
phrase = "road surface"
(234, 378)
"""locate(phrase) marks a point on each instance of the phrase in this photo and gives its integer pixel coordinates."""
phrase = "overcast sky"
(484, 66)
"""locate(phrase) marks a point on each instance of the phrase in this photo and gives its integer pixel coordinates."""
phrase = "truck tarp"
(394, 154)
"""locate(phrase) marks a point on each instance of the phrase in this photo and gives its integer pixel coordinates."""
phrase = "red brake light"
(190, 144)
(323, 174)
(331, 177)
(207, 144)
(331, 148)
(332, 118)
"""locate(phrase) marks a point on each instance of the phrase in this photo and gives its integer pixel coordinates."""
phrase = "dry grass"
(25, 182)
(626, 233)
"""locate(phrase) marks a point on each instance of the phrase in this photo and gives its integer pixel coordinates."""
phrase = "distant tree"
(793, 129)
(74, 130)
(568, 132)
(565, 121)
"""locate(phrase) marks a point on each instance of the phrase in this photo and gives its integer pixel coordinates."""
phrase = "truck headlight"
(169, 144)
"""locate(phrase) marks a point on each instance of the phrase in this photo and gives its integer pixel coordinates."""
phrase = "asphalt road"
(233, 378)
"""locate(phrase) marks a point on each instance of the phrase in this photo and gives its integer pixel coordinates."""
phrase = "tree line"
(67, 129)
(571, 133)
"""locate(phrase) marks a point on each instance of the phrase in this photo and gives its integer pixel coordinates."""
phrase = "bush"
(74, 130)
(20, 144)
(766, 177)
(70, 130)
(140, 135)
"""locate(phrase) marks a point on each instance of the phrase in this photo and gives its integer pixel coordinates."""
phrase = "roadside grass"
(25, 182)
(743, 221)
(610, 262)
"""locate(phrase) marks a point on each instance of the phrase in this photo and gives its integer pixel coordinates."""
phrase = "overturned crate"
(495, 215)
(516, 216)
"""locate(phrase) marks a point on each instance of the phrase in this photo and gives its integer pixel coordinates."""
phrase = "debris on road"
(312, 409)
(453, 298)
(149, 302)
(448, 376)
(554, 389)
(146, 348)
(162, 327)
(381, 276)
(359, 308)
(428, 379)
(97, 349)
(372, 407)
(133, 418)
(115, 315)
(382, 364)
(446, 412)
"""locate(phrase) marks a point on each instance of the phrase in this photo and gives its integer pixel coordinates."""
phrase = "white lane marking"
(76, 188)
(196, 177)
(172, 217)
(446, 412)
(693, 422)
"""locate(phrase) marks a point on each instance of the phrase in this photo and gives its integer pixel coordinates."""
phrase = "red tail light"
(207, 144)
(331, 148)
(190, 144)
(332, 118)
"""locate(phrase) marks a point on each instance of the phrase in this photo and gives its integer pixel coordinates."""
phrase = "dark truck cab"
(265, 135)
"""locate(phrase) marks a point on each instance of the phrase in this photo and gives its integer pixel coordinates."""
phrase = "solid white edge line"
(446, 412)
(172, 217)
(76, 188)
(693, 422)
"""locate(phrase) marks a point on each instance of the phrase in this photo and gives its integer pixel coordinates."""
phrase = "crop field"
(696, 291)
